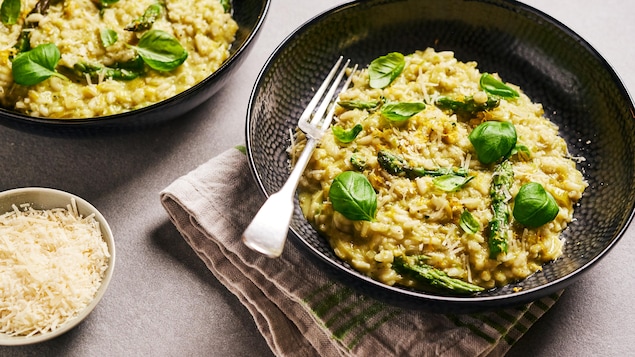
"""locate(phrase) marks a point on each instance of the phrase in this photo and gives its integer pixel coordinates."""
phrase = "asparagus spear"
(145, 21)
(413, 267)
(23, 43)
(122, 71)
(499, 225)
(397, 166)
(358, 104)
(468, 107)
(358, 162)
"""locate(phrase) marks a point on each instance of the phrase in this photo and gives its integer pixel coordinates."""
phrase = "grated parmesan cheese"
(52, 263)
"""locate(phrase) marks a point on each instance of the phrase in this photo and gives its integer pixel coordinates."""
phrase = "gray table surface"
(163, 301)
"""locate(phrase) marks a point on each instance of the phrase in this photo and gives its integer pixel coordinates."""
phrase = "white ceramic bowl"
(47, 198)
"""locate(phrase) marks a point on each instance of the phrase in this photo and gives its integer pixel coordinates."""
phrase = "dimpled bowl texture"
(249, 14)
(554, 66)
(48, 198)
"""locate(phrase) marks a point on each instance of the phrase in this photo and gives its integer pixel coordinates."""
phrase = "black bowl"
(579, 90)
(249, 14)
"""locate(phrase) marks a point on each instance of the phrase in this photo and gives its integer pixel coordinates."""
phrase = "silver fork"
(267, 232)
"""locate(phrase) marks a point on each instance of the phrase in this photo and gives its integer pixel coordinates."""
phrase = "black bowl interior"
(553, 65)
(249, 14)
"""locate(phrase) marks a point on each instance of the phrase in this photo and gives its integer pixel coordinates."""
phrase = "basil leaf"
(36, 65)
(108, 37)
(522, 151)
(383, 70)
(346, 136)
(358, 104)
(400, 112)
(534, 206)
(468, 223)
(450, 183)
(493, 86)
(353, 196)
(10, 11)
(493, 140)
(160, 50)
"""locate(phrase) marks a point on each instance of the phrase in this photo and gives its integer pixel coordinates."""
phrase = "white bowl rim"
(82, 205)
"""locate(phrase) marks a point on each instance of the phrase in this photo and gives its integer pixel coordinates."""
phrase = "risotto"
(434, 170)
(113, 55)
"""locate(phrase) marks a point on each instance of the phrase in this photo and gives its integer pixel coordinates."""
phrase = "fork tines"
(313, 122)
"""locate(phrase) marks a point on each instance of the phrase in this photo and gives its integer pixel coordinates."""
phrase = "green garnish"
(495, 87)
(353, 196)
(396, 165)
(160, 50)
(467, 107)
(522, 151)
(108, 37)
(146, 20)
(534, 206)
(346, 136)
(383, 70)
(468, 223)
(227, 5)
(400, 112)
(34, 66)
(499, 225)
(415, 268)
(493, 140)
(451, 183)
(121, 70)
(10, 11)
(358, 163)
(358, 104)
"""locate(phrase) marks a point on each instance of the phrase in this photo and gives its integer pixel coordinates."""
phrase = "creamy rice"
(201, 26)
(413, 217)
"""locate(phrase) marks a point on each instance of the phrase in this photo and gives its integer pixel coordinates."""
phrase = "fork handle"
(268, 231)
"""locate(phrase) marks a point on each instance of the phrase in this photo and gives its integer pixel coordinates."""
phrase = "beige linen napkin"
(298, 308)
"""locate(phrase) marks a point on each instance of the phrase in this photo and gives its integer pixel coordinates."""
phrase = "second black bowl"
(249, 14)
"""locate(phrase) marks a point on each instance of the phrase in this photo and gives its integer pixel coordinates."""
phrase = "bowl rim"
(234, 57)
(459, 302)
(107, 236)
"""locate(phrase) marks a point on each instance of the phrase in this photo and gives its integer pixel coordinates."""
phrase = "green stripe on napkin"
(299, 309)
